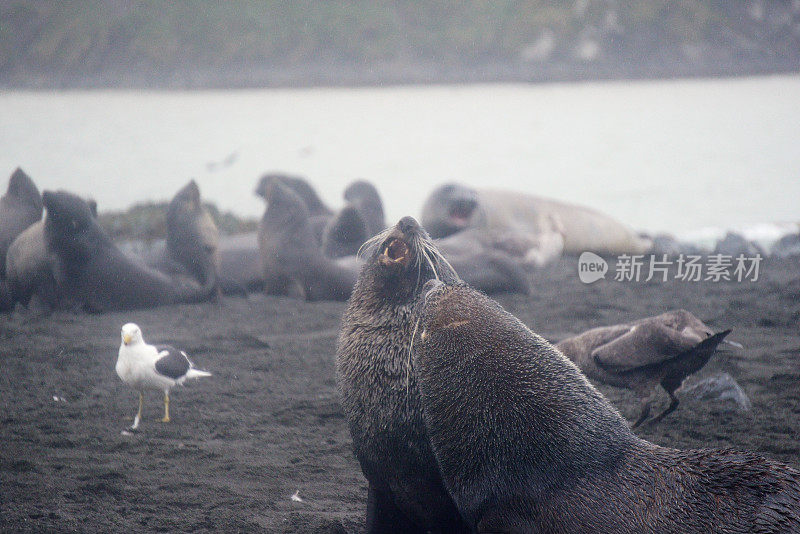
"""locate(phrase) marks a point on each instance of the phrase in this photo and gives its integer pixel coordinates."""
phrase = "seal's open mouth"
(396, 251)
(461, 211)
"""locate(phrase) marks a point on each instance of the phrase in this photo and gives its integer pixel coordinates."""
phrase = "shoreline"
(350, 76)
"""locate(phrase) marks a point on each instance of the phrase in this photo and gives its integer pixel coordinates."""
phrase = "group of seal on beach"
(67, 260)
(463, 420)
(303, 248)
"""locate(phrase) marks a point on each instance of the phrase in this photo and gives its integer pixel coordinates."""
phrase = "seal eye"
(396, 250)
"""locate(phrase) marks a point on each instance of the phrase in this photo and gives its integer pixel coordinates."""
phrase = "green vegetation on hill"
(247, 42)
(148, 221)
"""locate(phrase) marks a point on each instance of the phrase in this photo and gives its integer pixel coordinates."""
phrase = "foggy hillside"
(143, 43)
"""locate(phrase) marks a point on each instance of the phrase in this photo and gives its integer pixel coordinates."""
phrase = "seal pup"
(319, 213)
(144, 366)
(292, 260)
(452, 208)
(640, 355)
(525, 443)
(378, 387)
(20, 207)
(91, 270)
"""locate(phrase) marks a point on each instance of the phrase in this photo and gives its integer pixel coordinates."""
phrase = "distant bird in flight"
(144, 366)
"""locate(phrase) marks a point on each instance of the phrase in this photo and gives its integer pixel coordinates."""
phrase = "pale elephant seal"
(521, 217)
(524, 443)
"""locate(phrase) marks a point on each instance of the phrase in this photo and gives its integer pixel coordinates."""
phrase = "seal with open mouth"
(534, 227)
(378, 386)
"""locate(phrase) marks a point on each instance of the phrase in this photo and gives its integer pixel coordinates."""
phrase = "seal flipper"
(21, 186)
(383, 515)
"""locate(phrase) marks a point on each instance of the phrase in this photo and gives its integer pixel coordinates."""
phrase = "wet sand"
(268, 423)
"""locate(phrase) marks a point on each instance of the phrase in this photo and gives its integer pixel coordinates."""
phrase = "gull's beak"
(126, 338)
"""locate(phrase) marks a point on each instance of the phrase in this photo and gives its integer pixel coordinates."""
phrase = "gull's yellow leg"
(166, 407)
(139, 413)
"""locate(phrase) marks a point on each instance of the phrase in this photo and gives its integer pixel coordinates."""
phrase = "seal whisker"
(410, 355)
(372, 242)
(424, 252)
(440, 259)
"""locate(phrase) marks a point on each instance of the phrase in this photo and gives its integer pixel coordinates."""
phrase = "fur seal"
(365, 198)
(29, 267)
(359, 220)
(525, 443)
(292, 260)
(192, 239)
(452, 208)
(92, 271)
(640, 355)
(491, 271)
(240, 268)
(345, 233)
(319, 213)
(20, 207)
(378, 387)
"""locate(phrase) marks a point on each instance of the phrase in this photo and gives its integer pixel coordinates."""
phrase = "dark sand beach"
(268, 424)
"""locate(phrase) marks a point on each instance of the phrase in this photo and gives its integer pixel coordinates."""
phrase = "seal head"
(449, 209)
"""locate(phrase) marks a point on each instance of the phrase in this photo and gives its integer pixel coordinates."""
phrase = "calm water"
(663, 155)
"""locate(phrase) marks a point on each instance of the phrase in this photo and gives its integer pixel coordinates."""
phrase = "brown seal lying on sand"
(525, 444)
(640, 355)
(378, 385)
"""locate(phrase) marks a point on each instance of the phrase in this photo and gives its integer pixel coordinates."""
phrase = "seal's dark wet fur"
(525, 444)
(378, 386)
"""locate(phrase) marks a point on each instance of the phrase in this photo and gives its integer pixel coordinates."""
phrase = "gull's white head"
(131, 334)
